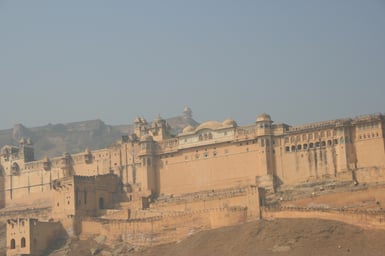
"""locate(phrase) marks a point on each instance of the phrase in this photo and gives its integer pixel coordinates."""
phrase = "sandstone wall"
(364, 219)
(210, 167)
(167, 228)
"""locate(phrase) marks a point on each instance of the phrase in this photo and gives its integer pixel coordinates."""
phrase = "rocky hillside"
(55, 139)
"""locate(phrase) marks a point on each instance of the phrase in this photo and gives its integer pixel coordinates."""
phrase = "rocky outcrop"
(54, 139)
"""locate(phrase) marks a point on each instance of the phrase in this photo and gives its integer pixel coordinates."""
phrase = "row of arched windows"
(368, 126)
(205, 136)
(78, 198)
(22, 243)
(310, 136)
(368, 135)
(312, 145)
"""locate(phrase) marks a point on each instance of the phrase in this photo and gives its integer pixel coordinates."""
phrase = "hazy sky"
(299, 61)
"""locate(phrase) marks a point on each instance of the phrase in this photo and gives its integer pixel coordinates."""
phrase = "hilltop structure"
(213, 155)
(214, 169)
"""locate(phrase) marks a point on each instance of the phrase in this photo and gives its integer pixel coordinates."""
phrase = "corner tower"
(265, 153)
(146, 177)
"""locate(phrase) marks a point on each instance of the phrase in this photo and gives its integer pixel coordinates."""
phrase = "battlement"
(202, 195)
(320, 125)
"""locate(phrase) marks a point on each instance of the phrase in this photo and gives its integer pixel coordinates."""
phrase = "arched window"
(22, 242)
(85, 196)
(77, 199)
(15, 169)
(13, 244)
(101, 203)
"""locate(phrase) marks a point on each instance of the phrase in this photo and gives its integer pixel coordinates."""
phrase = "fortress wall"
(37, 213)
(29, 186)
(231, 216)
(118, 214)
(43, 235)
(369, 143)
(216, 164)
(344, 176)
(99, 161)
(370, 174)
(170, 221)
(301, 165)
(165, 229)
(37, 199)
(214, 167)
(99, 164)
(370, 152)
(230, 198)
(89, 169)
(340, 150)
(2, 192)
(368, 220)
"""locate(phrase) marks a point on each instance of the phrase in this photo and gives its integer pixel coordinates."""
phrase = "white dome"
(263, 118)
(229, 122)
(188, 129)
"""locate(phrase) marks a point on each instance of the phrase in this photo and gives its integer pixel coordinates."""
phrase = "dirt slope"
(289, 237)
(295, 237)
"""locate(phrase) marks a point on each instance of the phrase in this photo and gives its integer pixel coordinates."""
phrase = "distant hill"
(55, 139)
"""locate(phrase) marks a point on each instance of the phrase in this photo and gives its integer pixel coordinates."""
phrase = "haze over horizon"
(298, 61)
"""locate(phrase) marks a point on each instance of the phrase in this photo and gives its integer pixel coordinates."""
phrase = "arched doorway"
(13, 244)
(101, 203)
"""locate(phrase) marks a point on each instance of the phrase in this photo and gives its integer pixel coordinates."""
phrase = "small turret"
(263, 124)
(264, 121)
(159, 129)
(26, 150)
(46, 164)
(140, 126)
(187, 113)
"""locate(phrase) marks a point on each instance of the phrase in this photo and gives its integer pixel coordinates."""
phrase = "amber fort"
(153, 186)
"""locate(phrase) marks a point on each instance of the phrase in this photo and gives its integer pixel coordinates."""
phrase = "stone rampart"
(363, 218)
(169, 227)
(172, 219)
(370, 174)
(41, 213)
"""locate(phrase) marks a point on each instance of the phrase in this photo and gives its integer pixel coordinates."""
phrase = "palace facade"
(212, 156)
